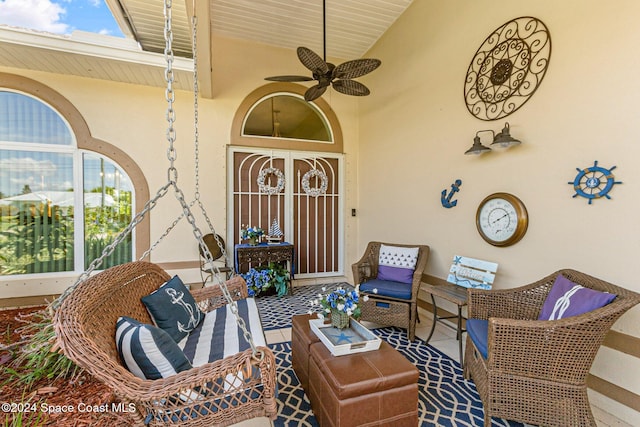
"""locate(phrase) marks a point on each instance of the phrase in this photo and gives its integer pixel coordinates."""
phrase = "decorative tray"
(354, 339)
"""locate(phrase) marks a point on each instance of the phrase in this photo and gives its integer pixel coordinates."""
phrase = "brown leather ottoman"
(301, 339)
(372, 388)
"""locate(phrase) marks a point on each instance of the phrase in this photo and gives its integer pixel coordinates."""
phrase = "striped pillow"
(147, 351)
(219, 336)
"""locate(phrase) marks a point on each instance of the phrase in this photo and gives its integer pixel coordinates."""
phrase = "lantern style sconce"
(503, 140)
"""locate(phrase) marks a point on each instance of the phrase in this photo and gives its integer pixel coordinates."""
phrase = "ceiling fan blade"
(312, 61)
(314, 92)
(356, 68)
(289, 78)
(351, 87)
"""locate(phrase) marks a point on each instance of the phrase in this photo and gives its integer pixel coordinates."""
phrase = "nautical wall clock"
(507, 68)
(502, 219)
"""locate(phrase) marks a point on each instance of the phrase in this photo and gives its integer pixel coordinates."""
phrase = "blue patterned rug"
(276, 312)
(445, 397)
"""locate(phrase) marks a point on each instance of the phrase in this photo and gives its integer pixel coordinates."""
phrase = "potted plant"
(262, 279)
(252, 234)
(340, 305)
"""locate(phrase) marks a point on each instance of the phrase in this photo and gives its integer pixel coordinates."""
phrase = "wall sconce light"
(503, 139)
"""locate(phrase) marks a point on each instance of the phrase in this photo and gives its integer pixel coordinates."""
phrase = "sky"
(59, 16)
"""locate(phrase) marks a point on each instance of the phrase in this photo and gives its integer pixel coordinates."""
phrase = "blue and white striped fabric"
(219, 336)
(147, 351)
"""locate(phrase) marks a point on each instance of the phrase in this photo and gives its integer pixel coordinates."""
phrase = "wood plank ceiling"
(353, 26)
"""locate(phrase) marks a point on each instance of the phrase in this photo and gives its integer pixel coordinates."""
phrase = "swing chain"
(178, 192)
(186, 208)
(194, 23)
(196, 92)
(225, 291)
(172, 173)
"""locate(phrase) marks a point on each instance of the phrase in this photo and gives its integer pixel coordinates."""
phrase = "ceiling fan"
(326, 73)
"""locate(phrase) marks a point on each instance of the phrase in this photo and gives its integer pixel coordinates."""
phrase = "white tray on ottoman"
(354, 339)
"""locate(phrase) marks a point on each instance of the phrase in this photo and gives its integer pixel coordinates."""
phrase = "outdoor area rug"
(276, 312)
(445, 397)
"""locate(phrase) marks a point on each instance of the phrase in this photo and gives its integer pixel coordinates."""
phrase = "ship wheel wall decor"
(594, 182)
(507, 68)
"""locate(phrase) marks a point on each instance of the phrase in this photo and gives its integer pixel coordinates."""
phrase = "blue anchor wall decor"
(446, 199)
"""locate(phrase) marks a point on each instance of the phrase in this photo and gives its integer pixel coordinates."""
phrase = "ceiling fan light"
(328, 74)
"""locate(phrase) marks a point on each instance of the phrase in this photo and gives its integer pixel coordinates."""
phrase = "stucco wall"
(415, 128)
(133, 118)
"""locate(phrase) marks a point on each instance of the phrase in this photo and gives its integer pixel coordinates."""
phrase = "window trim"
(86, 142)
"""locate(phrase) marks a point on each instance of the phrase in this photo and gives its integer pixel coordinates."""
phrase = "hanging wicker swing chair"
(222, 392)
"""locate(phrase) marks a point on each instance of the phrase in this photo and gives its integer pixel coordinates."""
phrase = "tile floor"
(444, 339)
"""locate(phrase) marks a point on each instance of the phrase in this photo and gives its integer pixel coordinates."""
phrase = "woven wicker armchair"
(536, 371)
(385, 310)
(85, 325)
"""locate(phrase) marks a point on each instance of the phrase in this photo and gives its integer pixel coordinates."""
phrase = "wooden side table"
(247, 256)
(452, 293)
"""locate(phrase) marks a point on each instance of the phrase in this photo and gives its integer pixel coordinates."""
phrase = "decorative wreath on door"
(266, 188)
(316, 191)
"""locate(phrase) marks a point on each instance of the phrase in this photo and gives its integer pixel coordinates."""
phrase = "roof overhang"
(90, 55)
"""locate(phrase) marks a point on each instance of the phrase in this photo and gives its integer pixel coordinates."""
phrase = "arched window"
(60, 203)
(288, 116)
(277, 116)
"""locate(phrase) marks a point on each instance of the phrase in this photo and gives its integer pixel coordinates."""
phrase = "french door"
(302, 192)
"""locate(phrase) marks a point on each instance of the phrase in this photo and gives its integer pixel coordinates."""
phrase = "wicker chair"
(385, 310)
(536, 371)
(85, 326)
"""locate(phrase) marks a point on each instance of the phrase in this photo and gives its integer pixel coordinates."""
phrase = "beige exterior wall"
(415, 127)
(133, 119)
(404, 144)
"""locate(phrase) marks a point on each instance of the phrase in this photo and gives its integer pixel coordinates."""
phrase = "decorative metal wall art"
(446, 199)
(507, 68)
(594, 182)
(264, 187)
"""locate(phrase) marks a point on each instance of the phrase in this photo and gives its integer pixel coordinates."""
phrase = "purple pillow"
(397, 264)
(568, 299)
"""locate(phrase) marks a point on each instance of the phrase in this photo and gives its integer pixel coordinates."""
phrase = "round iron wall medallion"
(507, 68)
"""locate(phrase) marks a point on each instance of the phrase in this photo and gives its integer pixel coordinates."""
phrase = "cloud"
(41, 15)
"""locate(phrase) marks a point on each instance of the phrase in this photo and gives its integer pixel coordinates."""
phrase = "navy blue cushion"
(173, 309)
(478, 331)
(387, 288)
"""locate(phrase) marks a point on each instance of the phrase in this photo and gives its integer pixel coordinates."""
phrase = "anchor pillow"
(397, 263)
(173, 309)
(568, 299)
